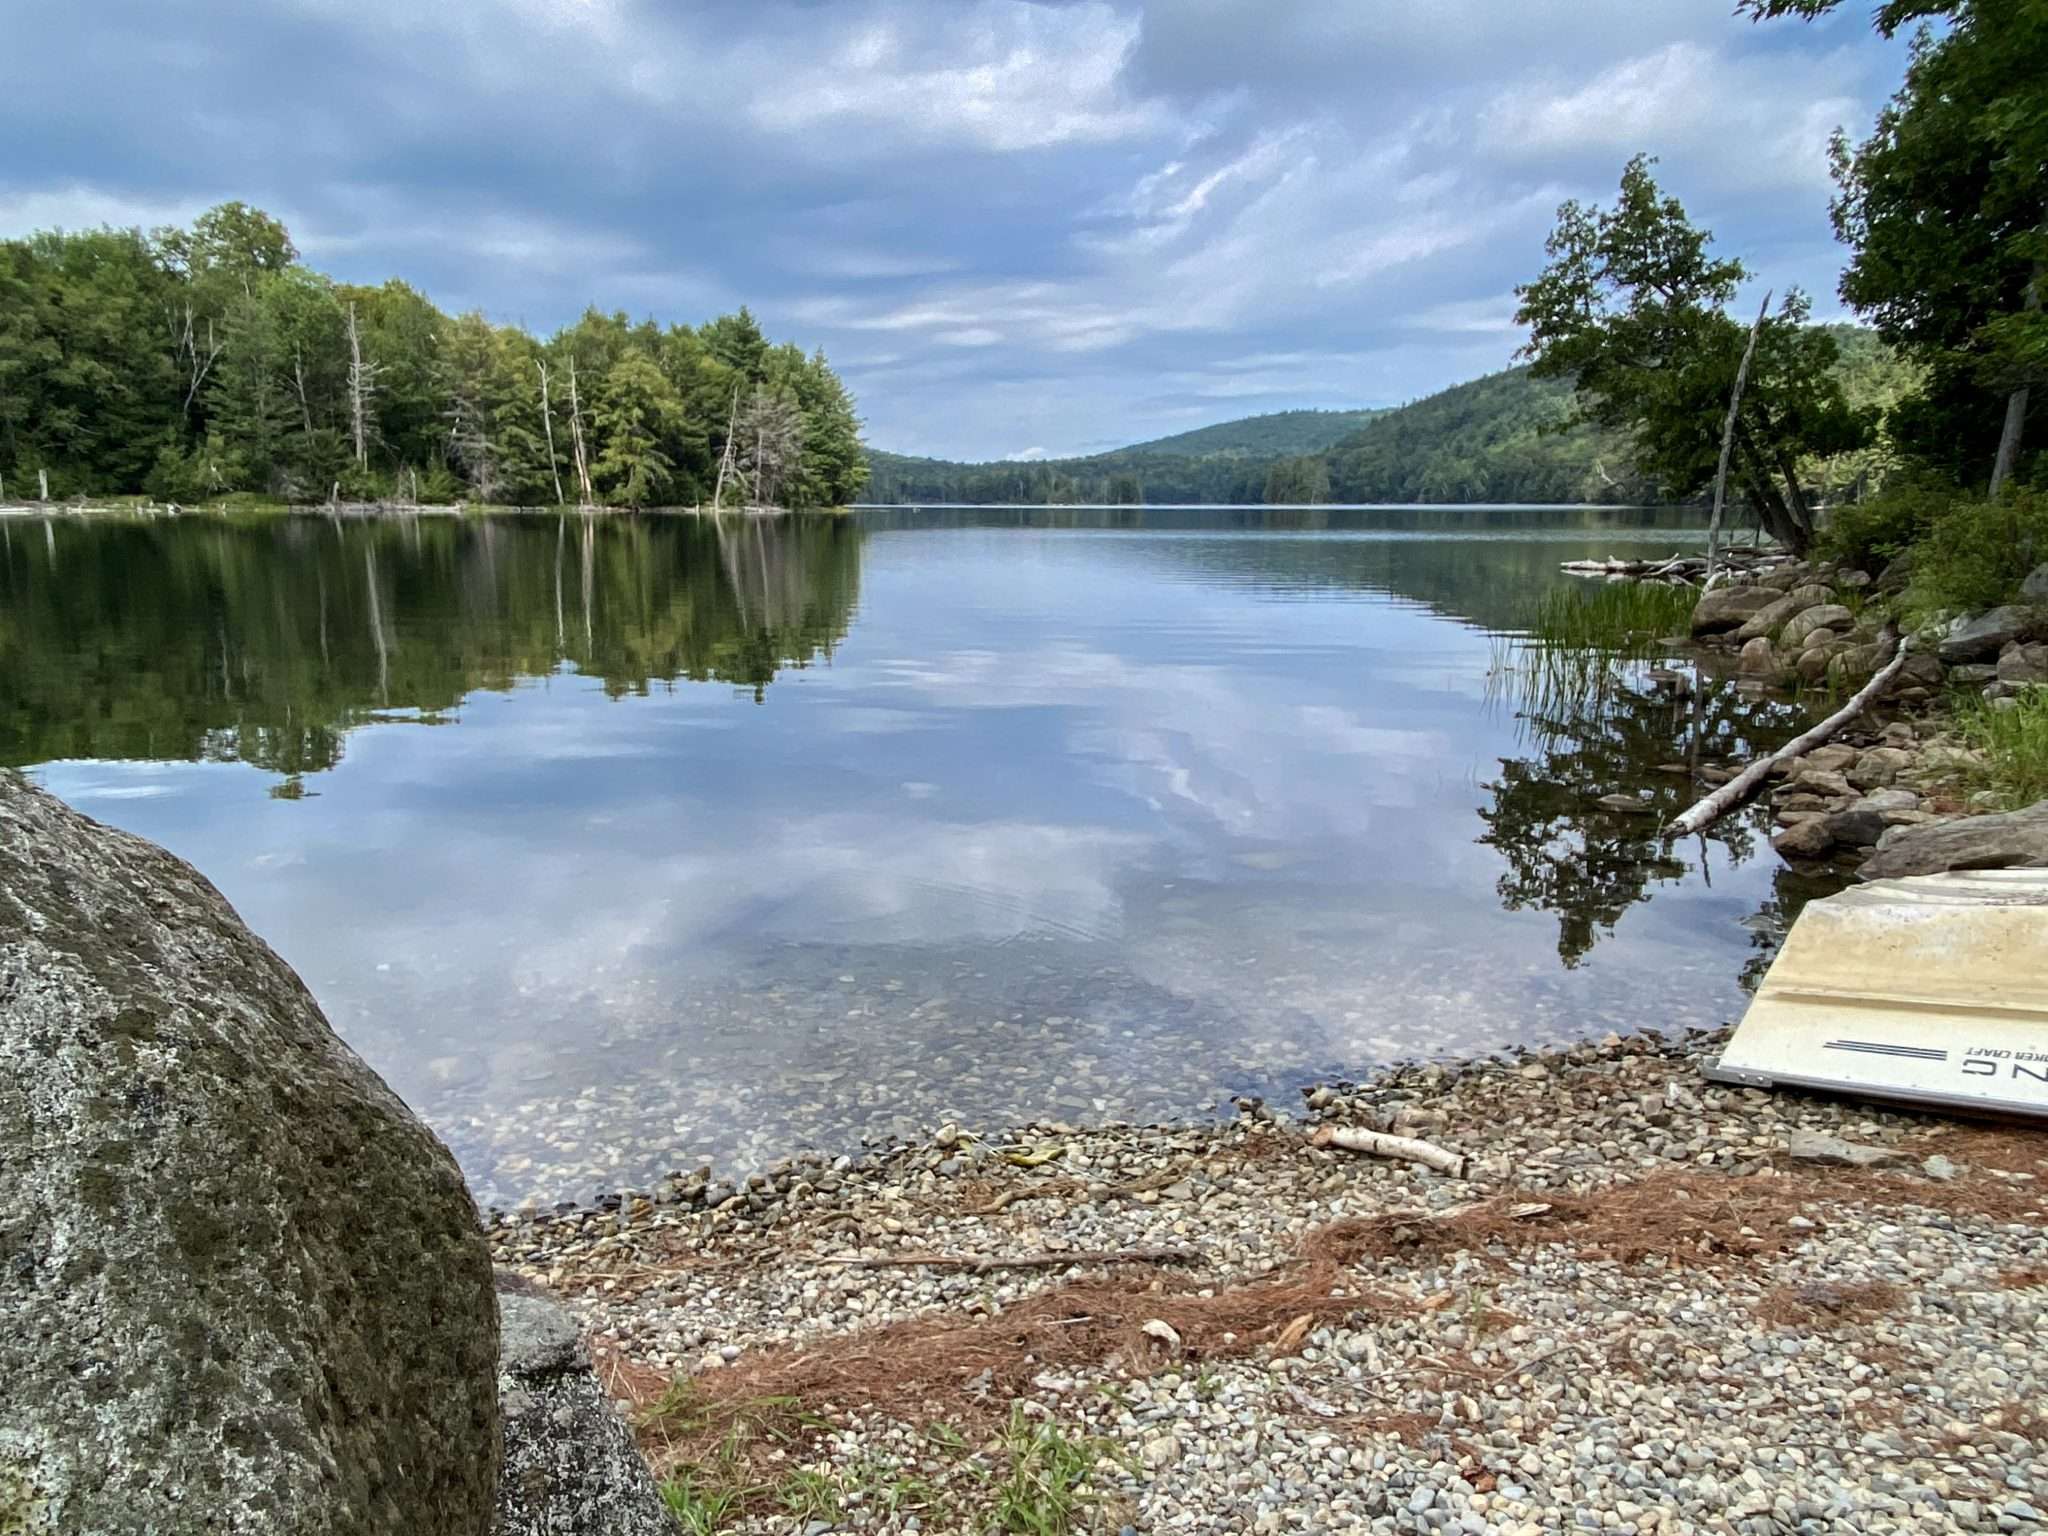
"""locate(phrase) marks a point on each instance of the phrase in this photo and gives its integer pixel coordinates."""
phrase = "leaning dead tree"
(1728, 439)
(726, 468)
(547, 426)
(576, 438)
(771, 434)
(1746, 783)
(362, 384)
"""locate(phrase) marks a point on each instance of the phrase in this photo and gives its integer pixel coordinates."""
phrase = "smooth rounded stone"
(1727, 608)
(1758, 659)
(1766, 621)
(1813, 665)
(570, 1468)
(2014, 840)
(1808, 838)
(1820, 616)
(2034, 589)
(243, 1284)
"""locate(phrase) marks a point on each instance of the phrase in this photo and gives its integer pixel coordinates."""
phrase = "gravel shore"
(1650, 1304)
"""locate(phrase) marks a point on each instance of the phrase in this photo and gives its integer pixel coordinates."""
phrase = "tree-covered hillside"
(1504, 437)
(1276, 434)
(187, 364)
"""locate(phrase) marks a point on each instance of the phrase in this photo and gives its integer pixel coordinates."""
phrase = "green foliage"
(1297, 482)
(1945, 207)
(1976, 553)
(1631, 309)
(190, 363)
(1507, 437)
(1870, 534)
(2014, 742)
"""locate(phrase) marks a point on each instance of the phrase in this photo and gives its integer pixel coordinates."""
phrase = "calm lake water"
(625, 843)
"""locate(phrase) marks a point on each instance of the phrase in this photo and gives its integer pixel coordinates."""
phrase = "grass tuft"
(1626, 616)
(2014, 743)
(1044, 1487)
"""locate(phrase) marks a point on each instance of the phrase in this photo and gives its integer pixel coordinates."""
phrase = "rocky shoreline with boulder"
(1875, 792)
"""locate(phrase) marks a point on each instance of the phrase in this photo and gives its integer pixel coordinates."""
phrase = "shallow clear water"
(626, 843)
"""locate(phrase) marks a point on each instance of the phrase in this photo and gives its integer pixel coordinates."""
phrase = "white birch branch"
(1746, 783)
(1351, 1138)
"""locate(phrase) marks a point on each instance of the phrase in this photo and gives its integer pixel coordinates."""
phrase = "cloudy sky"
(1017, 228)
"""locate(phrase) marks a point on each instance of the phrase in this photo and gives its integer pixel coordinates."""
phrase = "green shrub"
(1976, 554)
(1868, 535)
(2014, 743)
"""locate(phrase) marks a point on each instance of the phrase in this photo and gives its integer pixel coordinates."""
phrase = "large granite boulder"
(1727, 608)
(242, 1288)
(571, 1468)
(2015, 840)
(1767, 620)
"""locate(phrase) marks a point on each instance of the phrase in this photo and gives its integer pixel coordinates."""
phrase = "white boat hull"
(1929, 990)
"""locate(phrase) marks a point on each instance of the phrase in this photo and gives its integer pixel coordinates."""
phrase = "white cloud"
(996, 76)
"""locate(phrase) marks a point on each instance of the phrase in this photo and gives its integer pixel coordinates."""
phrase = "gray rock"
(2023, 663)
(1808, 839)
(1970, 673)
(2035, 588)
(1855, 828)
(1975, 639)
(571, 1468)
(1727, 608)
(2015, 840)
(244, 1287)
(1820, 616)
(1818, 1147)
(1758, 659)
(1879, 767)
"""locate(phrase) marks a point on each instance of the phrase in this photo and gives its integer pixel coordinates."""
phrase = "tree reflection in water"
(1596, 724)
(266, 639)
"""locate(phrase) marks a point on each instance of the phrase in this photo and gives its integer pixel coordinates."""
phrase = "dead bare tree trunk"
(362, 383)
(1728, 441)
(725, 464)
(185, 343)
(547, 426)
(2015, 407)
(43, 484)
(576, 435)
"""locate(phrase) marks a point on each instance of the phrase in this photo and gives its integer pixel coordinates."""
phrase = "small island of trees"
(192, 364)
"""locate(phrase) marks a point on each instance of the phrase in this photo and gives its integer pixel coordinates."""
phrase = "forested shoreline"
(1507, 437)
(192, 364)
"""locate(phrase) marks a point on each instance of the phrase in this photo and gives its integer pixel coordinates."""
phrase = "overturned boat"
(1932, 989)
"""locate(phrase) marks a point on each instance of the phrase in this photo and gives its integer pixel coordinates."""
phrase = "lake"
(624, 843)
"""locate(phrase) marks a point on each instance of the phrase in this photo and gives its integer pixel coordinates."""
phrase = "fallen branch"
(1351, 1138)
(1706, 812)
(981, 1263)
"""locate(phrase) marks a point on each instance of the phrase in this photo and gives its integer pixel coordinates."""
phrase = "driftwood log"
(1351, 1138)
(1706, 812)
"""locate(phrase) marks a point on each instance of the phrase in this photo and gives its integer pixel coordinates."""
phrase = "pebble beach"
(1648, 1303)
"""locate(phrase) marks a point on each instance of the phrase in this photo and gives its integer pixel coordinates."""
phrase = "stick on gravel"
(1351, 1138)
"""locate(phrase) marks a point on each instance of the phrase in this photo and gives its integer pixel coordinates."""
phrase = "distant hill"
(1277, 434)
(1506, 437)
(1502, 437)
